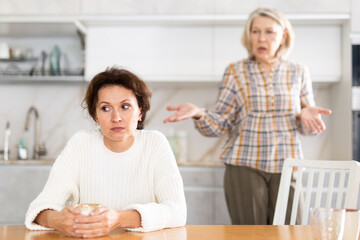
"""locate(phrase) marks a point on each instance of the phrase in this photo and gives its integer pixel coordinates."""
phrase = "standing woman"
(264, 103)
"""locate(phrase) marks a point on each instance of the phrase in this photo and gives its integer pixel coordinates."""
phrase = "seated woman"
(131, 172)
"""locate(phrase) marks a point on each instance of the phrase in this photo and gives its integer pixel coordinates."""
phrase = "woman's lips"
(117, 129)
(261, 49)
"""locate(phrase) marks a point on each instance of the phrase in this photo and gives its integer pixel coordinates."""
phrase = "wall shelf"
(44, 26)
(42, 80)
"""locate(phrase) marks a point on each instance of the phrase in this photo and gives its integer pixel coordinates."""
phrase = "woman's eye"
(125, 106)
(255, 31)
(105, 109)
(269, 32)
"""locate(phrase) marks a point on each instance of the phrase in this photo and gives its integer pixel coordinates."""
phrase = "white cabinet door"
(204, 194)
(147, 7)
(305, 6)
(200, 206)
(19, 186)
(319, 48)
(221, 212)
(150, 50)
(355, 16)
(185, 7)
(118, 7)
(40, 7)
(227, 47)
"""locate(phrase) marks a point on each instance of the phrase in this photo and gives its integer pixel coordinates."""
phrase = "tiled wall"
(61, 115)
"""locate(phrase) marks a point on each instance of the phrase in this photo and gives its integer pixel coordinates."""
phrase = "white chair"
(325, 172)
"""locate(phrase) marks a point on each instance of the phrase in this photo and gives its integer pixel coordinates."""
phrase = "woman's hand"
(62, 221)
(311, 118)
(183, 111)
(103, 220)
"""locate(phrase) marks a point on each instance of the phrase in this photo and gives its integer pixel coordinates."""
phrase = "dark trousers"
(251, 195)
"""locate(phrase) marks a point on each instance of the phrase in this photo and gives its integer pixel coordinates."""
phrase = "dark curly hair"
(121, 77)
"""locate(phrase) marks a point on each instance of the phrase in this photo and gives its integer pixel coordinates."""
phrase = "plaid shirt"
(260, 113)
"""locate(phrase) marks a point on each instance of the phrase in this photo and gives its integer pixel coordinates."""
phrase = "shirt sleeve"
(222, 119)
(170, 208)
(61, 186)
(306, 99)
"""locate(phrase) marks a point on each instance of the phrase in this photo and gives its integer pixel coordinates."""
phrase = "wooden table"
(189, 232)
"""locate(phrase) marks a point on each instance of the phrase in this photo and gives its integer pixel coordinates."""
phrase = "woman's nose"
(116, 117)
(262, 37)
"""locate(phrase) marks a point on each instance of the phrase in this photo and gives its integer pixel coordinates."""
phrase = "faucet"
(38, 150)
(7, 134)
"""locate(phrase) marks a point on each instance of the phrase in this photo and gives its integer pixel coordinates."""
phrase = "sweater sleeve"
(61, 186)
(222, 119)
(170, 208)
(306, 98)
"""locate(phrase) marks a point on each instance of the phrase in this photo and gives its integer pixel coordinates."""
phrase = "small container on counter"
(181, 146)
(22, 151)
(178, 143)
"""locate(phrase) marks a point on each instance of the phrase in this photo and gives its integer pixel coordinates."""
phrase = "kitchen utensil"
(55, 61)
(43, 59)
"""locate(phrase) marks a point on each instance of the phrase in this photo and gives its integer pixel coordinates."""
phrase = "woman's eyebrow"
(109, 102)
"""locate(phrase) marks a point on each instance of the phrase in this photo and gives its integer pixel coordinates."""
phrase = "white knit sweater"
(143, 178)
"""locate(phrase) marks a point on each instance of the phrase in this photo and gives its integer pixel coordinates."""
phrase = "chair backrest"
(327, 178)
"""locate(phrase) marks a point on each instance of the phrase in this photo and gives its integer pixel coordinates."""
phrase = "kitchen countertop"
(26, 162)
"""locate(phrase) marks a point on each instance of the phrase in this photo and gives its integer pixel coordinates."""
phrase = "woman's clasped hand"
(99, 222)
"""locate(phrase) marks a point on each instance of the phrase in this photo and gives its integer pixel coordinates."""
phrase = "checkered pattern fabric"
(260, 113)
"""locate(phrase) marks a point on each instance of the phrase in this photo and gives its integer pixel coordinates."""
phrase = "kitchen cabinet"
(167, 48)
(178, 7)
(308, 6)
(355, 18)
(197, 48)
(33, 39)
(40, 7)
(203, 186)
(118, 7)
(204, 194)
(19, 186)
(148, 7)
(21, 183)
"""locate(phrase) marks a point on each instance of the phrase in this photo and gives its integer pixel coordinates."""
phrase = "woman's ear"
(140, 116)
(284, 37)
